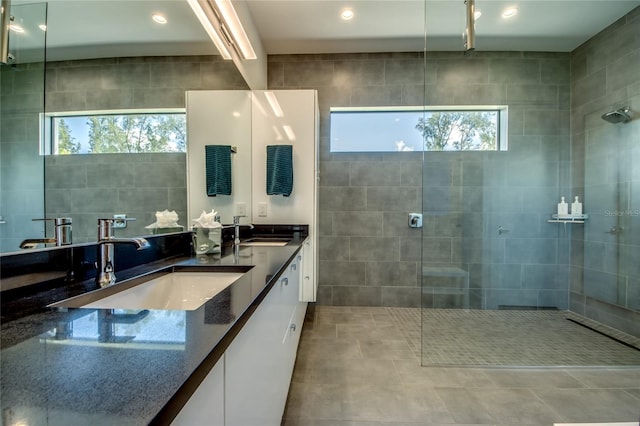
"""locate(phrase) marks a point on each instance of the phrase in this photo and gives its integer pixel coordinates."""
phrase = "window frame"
(501, 127)
(48, 121)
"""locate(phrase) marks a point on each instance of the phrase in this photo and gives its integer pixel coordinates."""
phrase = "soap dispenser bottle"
(576, 208)
(563, 208)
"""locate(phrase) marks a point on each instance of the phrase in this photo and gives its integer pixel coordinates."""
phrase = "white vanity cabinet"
(288, 117)
(296, 319)
(249, 384)
(206, 405)
(259, 362)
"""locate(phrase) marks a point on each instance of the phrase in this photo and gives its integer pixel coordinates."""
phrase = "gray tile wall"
(138, 82)
(605, 75)
(87, 187)
(369, 256)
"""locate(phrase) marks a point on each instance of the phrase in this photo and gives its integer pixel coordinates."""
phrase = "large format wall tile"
(365, 197)
(88, 187)
(604, 259)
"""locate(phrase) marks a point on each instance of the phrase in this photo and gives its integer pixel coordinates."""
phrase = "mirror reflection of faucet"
(105, 259)
(62, 230)
(108, 318)
(236, 227)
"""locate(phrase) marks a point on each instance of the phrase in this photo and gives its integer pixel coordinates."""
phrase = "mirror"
(148, 69)
(21, 102)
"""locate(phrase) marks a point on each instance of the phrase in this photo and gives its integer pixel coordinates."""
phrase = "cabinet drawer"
(296, 321)
(291, 286)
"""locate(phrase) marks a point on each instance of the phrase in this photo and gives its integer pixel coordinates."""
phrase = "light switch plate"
(241, 209)
(262, 209)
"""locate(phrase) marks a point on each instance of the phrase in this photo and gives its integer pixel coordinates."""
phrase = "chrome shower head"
(621, 115)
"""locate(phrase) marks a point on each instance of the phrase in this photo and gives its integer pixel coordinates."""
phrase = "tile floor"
(512, 338)
(355, 367)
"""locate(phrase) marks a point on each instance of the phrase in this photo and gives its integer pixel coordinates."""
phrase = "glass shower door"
(494, 271)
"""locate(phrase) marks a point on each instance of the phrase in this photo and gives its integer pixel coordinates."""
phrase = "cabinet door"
(296, 311)
(291, 289)
(206, 405)
(308, 283)
(255, 367)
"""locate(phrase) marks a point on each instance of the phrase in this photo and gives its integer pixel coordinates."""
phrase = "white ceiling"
(103, 28)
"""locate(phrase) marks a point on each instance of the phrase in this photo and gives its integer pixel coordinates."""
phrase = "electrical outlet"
(241, 209)
(262, 209)
(120, 221)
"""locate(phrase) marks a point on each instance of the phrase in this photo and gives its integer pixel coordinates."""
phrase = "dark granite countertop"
(97, 366)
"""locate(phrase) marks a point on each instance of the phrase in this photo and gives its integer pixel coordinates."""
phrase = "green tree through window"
(123, 133)
(396, 129)
(459, 131)
(66, 143)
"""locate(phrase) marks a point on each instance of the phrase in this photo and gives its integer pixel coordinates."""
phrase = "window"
(117, 132)
(417, 129)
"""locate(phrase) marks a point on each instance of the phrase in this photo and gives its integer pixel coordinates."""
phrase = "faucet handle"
(107, 224)
(115, 222)
(62, 227)
(58, 221)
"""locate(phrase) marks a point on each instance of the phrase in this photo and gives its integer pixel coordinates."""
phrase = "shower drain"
(630, 345)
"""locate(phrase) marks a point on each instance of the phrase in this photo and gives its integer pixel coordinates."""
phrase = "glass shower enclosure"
(499, 274)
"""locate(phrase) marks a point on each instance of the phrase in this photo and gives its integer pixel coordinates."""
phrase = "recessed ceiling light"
(346, 14)
(160, 19)
(477, 14)
(16, 28)
(510, 12)
(43, 27)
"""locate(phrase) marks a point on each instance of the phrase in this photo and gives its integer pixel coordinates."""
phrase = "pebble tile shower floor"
(360, 366)
(516, 338)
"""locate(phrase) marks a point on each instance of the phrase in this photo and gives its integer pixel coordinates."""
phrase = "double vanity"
(178, 340)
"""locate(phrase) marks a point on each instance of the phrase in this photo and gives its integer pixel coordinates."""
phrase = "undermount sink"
(265, 242)
(175, 291)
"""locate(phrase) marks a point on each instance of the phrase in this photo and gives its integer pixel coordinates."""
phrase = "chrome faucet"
(105, 260)
(236, 227)
(62, 237)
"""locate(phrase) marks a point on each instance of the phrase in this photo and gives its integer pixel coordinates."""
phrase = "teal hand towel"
(279, 170)
(218, 169)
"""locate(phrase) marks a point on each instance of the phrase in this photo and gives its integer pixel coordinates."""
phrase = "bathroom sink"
(175, 291)
(265, 242)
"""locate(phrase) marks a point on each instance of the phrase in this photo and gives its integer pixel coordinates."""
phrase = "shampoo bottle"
(576, 208)
(563, 208)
